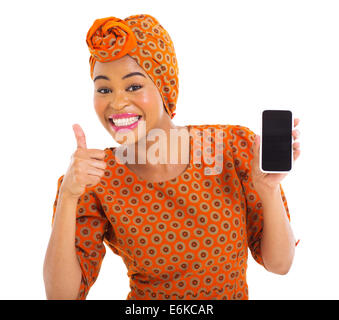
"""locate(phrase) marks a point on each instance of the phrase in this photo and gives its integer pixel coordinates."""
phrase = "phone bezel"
(261, 134)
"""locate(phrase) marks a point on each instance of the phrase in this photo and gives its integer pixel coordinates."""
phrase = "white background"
(235, 58)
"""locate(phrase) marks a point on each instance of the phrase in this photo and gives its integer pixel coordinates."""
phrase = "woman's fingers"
(296, 150)
(296, 121)
(295, 134)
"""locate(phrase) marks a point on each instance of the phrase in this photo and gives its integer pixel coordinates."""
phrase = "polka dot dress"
(181, 239)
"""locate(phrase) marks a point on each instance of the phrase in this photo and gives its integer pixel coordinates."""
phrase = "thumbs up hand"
(86, 168)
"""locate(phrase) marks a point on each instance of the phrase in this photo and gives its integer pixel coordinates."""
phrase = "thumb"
(257, 140)
(256, 145)
(255, 159)
(80, 136)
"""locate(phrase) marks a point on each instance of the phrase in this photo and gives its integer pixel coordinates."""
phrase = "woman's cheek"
(144, 101)
(148, 101)
(99, 105)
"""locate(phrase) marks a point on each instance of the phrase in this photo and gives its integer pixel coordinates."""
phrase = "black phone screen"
(276, 140)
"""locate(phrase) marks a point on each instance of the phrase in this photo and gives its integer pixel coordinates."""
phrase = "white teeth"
(125, 121)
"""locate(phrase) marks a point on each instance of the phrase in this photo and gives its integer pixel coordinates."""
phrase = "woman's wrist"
(267, 192)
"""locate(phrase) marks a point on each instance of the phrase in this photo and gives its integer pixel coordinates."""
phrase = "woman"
(183, 228)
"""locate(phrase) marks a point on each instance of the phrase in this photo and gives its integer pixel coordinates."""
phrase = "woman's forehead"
(120, 66)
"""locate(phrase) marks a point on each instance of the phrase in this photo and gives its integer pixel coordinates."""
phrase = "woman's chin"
(128, 134)
(127, 138)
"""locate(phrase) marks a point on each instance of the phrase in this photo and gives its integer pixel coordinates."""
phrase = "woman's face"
(119, 93)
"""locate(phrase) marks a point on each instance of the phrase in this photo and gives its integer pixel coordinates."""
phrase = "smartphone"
(276, 155)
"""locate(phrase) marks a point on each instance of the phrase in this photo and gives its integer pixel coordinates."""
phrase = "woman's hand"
(86, 169)
(266, 182)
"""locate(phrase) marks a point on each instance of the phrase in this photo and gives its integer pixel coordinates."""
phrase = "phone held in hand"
(276, 154)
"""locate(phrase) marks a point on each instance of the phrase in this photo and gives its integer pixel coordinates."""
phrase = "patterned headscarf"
(147, 42)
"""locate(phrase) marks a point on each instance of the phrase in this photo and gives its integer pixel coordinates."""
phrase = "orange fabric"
(185, 238)
(147, 42)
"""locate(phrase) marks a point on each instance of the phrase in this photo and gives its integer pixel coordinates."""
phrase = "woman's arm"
(62, 272)
(277, 242)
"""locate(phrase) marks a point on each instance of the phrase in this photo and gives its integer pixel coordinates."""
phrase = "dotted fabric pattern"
(181, 239)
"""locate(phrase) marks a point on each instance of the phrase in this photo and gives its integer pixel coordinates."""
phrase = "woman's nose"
(120, 101)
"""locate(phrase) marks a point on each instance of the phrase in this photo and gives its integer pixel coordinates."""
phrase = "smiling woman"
(124, 91)
(183, 229)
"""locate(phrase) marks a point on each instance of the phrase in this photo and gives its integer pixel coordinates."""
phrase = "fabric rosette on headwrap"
(144, 40)
(109, 39)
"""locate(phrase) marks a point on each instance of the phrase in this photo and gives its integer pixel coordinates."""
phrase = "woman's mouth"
(124, 121)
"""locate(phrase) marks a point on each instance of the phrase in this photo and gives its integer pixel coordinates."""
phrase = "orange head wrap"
(147, 42)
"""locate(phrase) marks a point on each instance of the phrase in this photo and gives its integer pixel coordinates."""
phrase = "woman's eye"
(99, 90)
(134, 86)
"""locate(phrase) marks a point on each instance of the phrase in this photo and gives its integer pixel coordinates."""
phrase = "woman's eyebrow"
(124, 77)
(132, 74)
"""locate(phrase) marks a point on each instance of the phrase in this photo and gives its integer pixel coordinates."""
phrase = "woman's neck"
(161, 152)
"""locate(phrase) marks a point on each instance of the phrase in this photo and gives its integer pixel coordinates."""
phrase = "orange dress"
(185, 238)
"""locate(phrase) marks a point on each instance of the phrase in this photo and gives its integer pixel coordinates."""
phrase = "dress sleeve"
(91, 224)
(242, 149)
